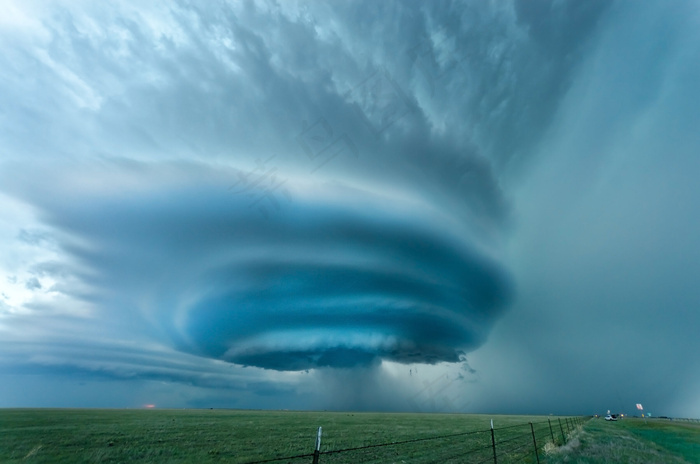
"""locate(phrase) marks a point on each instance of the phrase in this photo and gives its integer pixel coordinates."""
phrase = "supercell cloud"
(338, 278)
(280, 204)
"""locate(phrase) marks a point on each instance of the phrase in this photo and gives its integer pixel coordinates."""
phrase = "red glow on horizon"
(149, 406)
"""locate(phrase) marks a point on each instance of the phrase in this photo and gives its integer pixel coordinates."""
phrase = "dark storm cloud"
(334, 280)
(352, 185)
(83, 370)
(125, 362)
(254, 88)
(607, 245)
(244, 83)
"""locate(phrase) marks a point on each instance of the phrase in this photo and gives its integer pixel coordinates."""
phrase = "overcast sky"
(424, 206)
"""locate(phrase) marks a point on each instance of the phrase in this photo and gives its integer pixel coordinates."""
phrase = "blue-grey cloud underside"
(329, 280)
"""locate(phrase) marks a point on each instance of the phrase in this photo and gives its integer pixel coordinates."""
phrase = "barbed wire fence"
(525, 442)
(682, 419)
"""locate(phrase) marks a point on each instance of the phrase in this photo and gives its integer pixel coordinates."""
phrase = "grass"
(632, 441)
(204, 436)
(209, 436)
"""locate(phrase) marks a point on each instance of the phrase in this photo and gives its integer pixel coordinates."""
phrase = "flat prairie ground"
(232, 436)
(632, 440)
(202, 436)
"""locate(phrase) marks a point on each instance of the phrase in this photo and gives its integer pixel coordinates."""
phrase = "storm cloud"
(250, 199)
(338, 278)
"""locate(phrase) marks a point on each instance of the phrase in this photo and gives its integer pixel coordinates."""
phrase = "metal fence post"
(551, 432)
(534, 442)
(493, 443)
(563, 438)
(317, 451)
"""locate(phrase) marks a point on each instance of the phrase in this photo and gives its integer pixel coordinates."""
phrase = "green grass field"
(201, 436)
(632, 441)
(204, 436)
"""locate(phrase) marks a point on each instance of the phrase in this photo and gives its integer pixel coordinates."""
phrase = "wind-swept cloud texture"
(310, 205)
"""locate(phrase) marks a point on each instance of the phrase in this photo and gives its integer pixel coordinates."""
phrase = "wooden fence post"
(317, 451)
(493, 443)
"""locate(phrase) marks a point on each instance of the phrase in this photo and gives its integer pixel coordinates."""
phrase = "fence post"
(568, 428)
(563, 438)
(534, 442)
(317, 451)
(551, 432)
(493, 443)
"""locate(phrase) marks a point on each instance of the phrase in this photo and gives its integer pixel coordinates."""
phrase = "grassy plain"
(632, 440)
(203, 436)
(208, 436)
